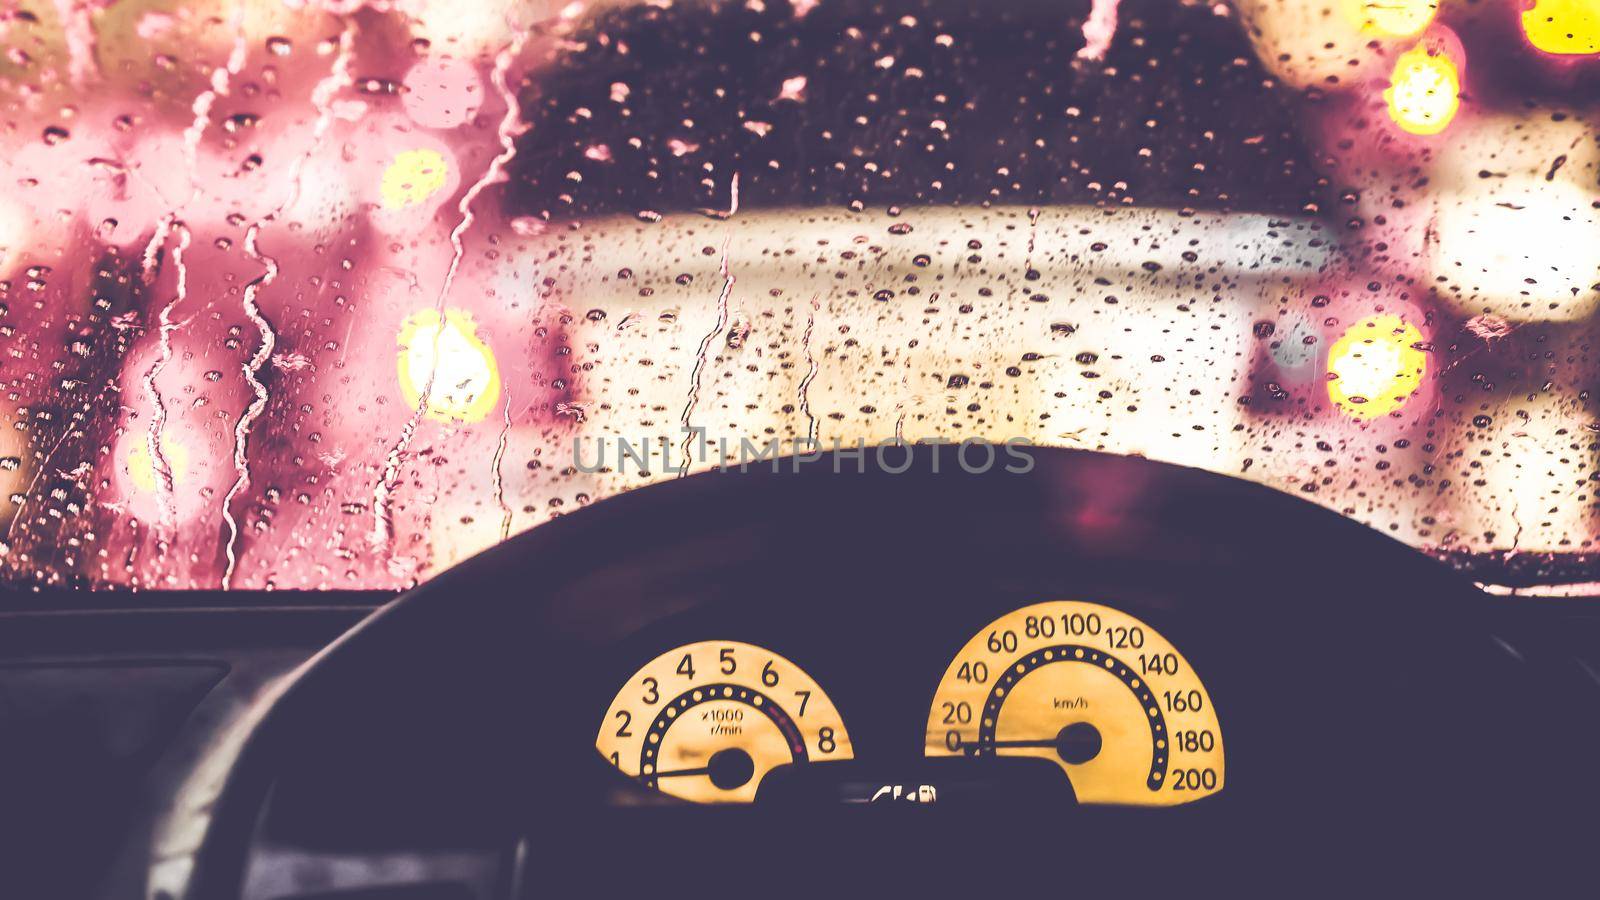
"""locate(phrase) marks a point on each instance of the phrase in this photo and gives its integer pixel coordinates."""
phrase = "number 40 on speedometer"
(1091, 688)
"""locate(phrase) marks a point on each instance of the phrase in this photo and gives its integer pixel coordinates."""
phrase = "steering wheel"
(1372, 720)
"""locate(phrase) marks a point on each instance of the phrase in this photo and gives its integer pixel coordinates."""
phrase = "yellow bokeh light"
(466, 383)
(413, 177)
(1375, 366)
(1390, 18)
(141, 466)
(1566, 27)
(1424, 91)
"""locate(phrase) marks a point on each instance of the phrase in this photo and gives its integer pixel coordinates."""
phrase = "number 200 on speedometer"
(1091, 688)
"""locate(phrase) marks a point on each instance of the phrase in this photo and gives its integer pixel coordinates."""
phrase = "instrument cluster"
(1088, 689)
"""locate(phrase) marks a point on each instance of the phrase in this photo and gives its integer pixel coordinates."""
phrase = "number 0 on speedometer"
(1093, 689)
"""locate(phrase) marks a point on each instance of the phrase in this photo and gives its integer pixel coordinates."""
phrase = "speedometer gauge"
(1095, 690)
(706, 722)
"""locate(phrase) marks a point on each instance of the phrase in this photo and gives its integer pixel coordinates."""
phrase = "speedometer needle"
(1076, 743)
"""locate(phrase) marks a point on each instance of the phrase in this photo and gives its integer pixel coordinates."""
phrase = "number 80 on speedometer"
(1093, 689)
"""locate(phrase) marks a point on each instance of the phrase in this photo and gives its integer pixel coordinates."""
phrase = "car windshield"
(328, 295)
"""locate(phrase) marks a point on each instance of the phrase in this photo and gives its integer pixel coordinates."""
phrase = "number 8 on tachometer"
(1091, 688)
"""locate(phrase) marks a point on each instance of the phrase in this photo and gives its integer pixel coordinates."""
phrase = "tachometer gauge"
(1094, 689)
(706, 722)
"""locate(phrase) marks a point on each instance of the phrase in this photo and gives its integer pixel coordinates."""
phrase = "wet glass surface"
(333, 295)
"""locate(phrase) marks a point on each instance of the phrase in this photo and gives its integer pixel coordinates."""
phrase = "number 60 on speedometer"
(1091, 688)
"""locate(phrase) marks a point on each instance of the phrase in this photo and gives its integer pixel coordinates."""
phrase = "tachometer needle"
(727, 769)
(703, 770)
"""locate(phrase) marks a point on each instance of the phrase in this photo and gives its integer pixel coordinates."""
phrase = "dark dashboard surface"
(1361, 691)
(1375, 707)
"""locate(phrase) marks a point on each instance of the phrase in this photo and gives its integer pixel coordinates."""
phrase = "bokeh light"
(1375, 366)
(140, 465)
(413, 177)
(1564, 27)
(1424, 91)
(466, 379)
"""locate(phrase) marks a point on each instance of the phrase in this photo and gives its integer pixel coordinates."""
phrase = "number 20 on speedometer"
(1091, 688)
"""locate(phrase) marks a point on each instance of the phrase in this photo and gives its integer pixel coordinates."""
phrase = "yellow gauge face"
(1091, 688)
(706, 722)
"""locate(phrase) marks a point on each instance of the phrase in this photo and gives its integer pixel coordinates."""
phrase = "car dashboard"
(1081, 665)
(1102, 664)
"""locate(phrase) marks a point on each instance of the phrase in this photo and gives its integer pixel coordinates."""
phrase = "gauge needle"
(703, 770)
(727, 769)
(1076, 743)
